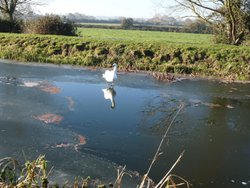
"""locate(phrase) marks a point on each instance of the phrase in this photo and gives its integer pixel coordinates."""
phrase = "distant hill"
(156, 20)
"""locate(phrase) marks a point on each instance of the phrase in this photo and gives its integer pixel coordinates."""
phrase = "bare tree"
(231, 18)
(10, 8)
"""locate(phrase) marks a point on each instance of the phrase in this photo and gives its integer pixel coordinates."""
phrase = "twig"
(159, 147)
(165, 178)
(184, 181)
(119, 177)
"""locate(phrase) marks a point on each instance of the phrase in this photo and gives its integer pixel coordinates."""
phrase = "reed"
(34, 173)
(167, 180)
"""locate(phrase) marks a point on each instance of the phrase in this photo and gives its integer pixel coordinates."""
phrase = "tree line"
(229, 19)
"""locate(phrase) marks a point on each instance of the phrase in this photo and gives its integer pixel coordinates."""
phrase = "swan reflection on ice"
(109, 94)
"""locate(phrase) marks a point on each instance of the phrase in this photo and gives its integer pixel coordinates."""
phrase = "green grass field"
(146, 36)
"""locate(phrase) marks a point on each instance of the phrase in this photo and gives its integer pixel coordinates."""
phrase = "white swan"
(109, 93)
(110, 75)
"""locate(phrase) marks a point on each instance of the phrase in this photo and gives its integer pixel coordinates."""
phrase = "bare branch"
(230, 17)
(11, 8)
(199, 4)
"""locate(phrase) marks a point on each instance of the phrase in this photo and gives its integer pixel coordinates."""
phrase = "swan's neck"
(115, 69)
(112, 103)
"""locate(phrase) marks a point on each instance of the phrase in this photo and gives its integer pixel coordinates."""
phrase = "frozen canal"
(62, 113)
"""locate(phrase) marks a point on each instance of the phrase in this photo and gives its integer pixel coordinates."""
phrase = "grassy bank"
(132, 50)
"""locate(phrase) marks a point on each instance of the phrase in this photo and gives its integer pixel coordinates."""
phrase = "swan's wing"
(104, 75)
(108, 75)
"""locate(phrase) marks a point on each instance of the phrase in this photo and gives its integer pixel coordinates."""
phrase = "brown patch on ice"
(49, 118)
(71, 103)
(82, 140)
(43, 85)
(49, 88)
(165, 77)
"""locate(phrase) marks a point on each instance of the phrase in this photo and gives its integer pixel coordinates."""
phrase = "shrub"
(49, 24)
(198, 26)
(127, 23)
(7, 26)
(247, 41)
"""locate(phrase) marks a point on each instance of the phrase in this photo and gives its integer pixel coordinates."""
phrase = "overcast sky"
(108, 8)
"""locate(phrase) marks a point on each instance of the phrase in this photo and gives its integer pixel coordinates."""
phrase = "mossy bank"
(222, 61)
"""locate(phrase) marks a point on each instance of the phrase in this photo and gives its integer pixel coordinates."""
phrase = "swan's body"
(110, 75)
(109, 93)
